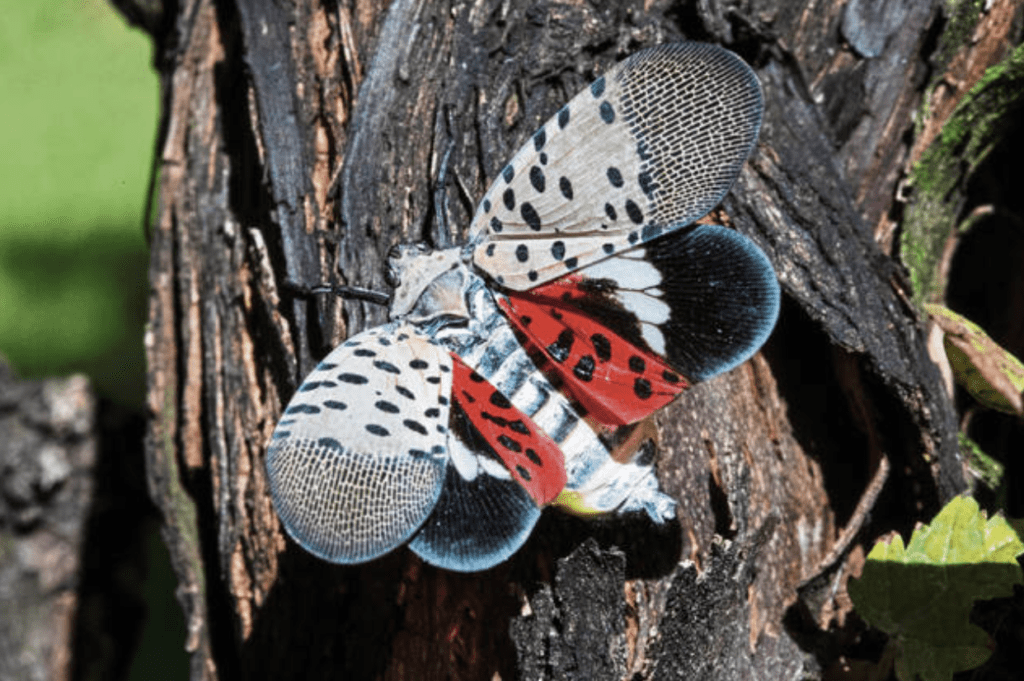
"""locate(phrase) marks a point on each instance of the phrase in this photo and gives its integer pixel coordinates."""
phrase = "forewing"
(358, 460)
(624, 336)
(648, 148)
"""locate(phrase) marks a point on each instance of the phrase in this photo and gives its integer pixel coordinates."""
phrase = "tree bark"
(73, 516)
(302, 140)
(48, 450)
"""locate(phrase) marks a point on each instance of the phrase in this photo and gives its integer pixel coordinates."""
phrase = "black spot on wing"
(634, 212)
(310, 386)
(490, 250)
(353, 379)
(559, 350)
(499, 400)
(642, 388)
(509, 198)
(530, 216)
(522, 253)
(387, 407)
(539, 139)
(570, 263)
(523, 473)
(608, 248)
(584, 369)
(508, 173)
(364, 352)
(487, 205)
(637, 364)
(563, 117)
(335, 404)
(302, 409)
(558, 250)
(418, 364)
(532, 456)
(415, 426)
(519, 427)
(379, 431)
(537, 179)
(496, 420)
(509, 444)
(386, 366)
(565, 186)
(615, 177)
(609, 210)
(496, 225)
(597, 87)
(532, 275)
(602, 346)
(607, 112)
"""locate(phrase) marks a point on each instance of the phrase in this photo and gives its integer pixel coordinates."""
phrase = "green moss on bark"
(940, 178)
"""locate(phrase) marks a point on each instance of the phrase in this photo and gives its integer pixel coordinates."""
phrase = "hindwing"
(626, 335)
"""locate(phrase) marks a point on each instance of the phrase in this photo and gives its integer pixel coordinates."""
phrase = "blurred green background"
(78, 120)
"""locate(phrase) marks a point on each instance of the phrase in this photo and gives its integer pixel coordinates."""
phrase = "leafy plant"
(921, 594)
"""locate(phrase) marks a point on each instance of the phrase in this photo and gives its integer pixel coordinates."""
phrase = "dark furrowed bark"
(304, 140)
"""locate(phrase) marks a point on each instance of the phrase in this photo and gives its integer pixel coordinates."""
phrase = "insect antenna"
(442, 232)
(343, 291)
(442, 236)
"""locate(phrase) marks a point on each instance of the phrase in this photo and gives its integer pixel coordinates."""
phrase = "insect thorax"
(427, 283)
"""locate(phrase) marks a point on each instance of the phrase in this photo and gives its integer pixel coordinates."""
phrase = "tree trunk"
(48, 452)
(301, 141)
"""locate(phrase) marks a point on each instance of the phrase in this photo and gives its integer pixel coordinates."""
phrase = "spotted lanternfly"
(586, 298)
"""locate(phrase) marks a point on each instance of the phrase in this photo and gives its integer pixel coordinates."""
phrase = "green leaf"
(992, 375)
(922, 594)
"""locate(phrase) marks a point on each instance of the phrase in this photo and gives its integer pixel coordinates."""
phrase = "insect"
(585, 299)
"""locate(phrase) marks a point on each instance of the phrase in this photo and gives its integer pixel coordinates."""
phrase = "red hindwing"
(533, 458)
(613, 379)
